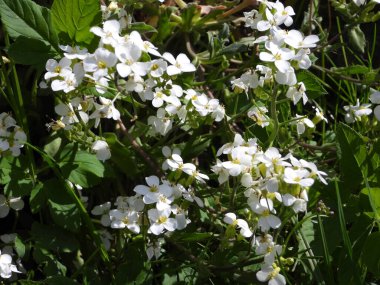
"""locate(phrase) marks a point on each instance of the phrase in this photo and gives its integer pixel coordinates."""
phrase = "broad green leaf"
(352, 155)
(74, 18)
(371, 253)
(54, 238)
(29, 51)
(81, 167)
(28, 19)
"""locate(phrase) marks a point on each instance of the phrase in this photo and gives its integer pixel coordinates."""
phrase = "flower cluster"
(12, 137)
(282, 52)
(270, 181)
(124, 61)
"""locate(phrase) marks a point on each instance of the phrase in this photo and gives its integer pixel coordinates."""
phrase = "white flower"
(296, 40)
(279, 56)
(125, 219)
(103, 211)
(298, 176)
(160, 221)
(104, 110)
(355, 112)
(286, 78)
(271, 274)
(302, 123)
(74, 52)
(375, 99)
(230, 218)
(295, 93)
(68, 81)
(154, 249)
(6, 266)
(109, 34)
(257, 114)
(252, 18)
(180, 64)
(55, 68)
(155, 192)
(102, 150)
(16, 204)
(99, 62)
(264, 207)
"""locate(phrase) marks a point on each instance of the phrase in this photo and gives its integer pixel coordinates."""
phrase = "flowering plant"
(189, 142)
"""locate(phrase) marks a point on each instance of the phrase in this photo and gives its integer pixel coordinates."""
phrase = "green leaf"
(12, 168)
(352, 69)
(373, 196)
(141, 27)
(29, 51)
(26, 18)
(371, 253)
(20, 247)
(352, 155)
(357, 38)
(62, 209)
(37, 198)
(16, 188)
(81, 167)
(65, 215)
(74, 18)
(54, 238)
(233, 49)
(128, 271)
(314, 87)
(60, 280)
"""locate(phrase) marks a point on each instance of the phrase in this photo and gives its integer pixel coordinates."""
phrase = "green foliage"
(72, 19)
(81, 167)
(26, 18)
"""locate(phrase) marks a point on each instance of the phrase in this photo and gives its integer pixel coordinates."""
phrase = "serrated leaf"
(75, 18)
(352, 155)
(28, 19)
(29, 51)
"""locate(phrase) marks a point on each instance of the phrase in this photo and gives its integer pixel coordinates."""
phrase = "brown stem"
(241, 6)
(139, 150)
